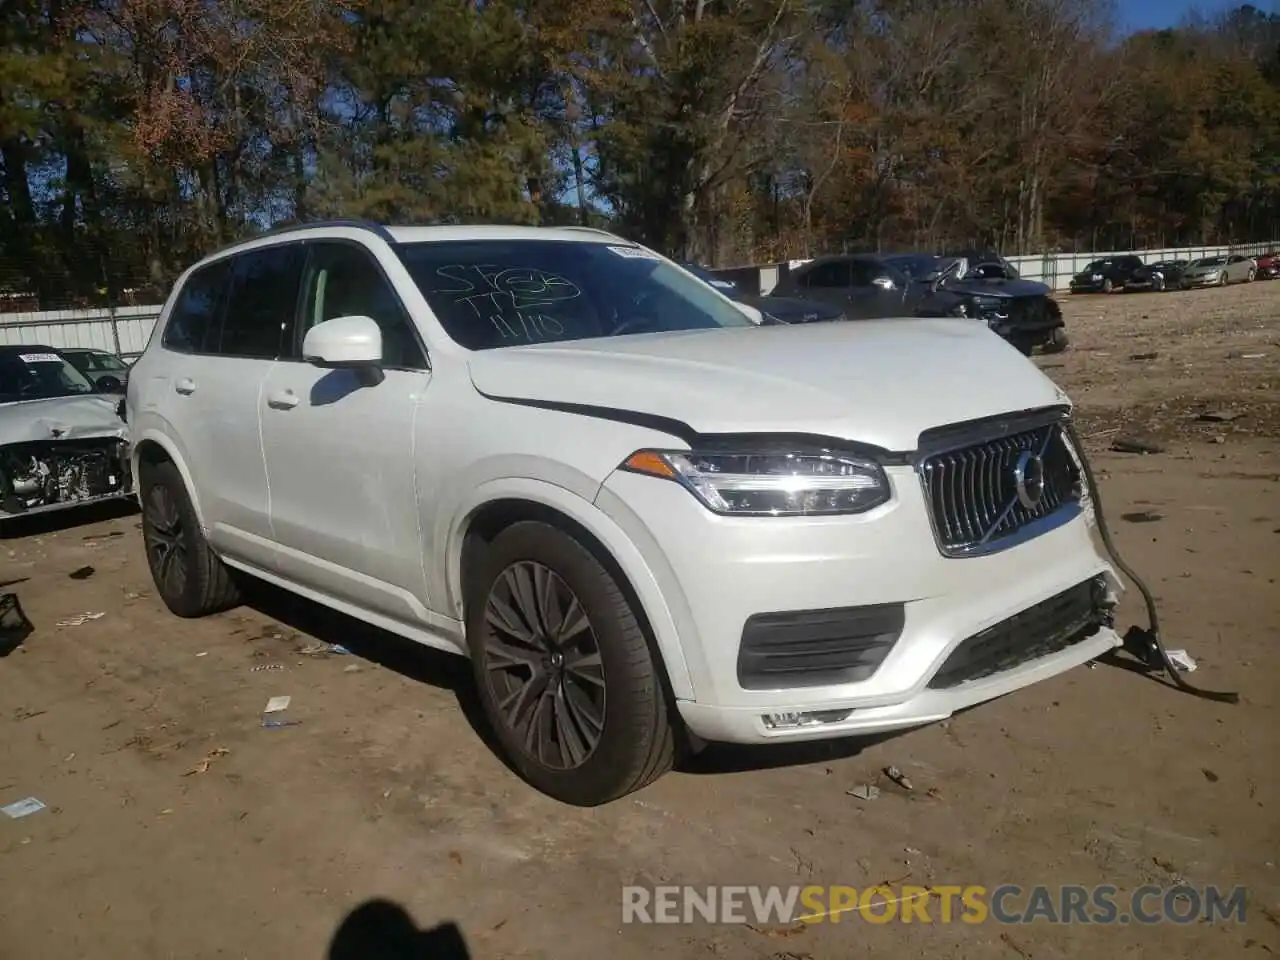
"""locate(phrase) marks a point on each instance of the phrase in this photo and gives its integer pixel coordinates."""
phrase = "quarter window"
(195, 315)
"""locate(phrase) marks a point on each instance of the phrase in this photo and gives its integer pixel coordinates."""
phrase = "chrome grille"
(976, 500)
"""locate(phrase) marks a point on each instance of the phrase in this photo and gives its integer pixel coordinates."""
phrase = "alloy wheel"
(163, 535)
(542, 662)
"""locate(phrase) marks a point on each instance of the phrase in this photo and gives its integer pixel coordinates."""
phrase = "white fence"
(121, 330)
(125, 330)
(1054, 269)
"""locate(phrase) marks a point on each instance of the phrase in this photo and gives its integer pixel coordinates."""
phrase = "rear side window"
(261, 302)
(193, 322)
(835, 273)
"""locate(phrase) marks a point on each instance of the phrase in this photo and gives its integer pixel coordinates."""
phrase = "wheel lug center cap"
(557, 660)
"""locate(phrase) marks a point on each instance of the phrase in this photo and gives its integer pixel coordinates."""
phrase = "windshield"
(95, 362)
(1210, 262)
(38, 376)
(506, 293)
(915, 266)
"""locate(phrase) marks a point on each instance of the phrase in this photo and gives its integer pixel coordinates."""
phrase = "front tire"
(1252, 274)
(1057, 341)
(1222, 279)
(1107, 285)
(564, 670)
(190, 578)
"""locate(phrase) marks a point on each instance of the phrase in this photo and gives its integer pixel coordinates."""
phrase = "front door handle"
(283, 400)
(186, 386)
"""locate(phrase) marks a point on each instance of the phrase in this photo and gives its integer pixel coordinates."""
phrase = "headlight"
(1097, 276)
(770, 484)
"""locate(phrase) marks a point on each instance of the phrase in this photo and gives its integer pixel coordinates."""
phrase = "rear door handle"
(283, 400)
(186, 386)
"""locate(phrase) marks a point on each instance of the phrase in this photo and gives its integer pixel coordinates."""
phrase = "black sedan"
(1106, 274)
(1164, 275)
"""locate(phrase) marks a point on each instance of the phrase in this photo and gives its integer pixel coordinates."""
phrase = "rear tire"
(1252, 274)
(564, 670)
(190, 578)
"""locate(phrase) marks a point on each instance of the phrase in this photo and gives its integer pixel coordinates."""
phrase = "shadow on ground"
(446, 671)
(382, 930)
(57, 521)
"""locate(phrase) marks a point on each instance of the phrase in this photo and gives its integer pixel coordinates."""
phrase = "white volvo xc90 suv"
(649, 521)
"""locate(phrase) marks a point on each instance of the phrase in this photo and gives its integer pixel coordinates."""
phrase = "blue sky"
(1158, 14)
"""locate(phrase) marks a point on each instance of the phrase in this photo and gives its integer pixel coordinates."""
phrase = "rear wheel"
(190, 578)
(1057, 341)
(564, 670)
(1253, 272)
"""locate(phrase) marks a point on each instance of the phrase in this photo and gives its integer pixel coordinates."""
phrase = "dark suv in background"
(876, 286)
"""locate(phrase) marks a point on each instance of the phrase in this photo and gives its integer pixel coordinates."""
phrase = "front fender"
(582, 511)
(172, 449)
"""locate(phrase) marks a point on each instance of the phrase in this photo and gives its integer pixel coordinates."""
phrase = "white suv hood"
(879, 382)
(60, 418)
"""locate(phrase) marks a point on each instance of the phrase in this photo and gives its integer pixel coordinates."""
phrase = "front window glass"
(506, 293)
(39, 375)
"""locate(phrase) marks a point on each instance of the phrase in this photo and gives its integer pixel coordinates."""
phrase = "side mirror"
(353, 343)
(109, 384)
(753, 314)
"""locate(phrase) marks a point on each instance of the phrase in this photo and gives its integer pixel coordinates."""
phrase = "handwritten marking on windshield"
(511, 299)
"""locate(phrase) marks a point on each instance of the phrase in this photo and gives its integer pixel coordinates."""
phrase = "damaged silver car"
(63, 442)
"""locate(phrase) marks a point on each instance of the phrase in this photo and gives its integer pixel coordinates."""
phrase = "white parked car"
(649, 521)
(62, 442)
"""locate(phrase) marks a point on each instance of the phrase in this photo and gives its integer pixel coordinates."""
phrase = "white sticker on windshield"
(39, 358)
(635, 253)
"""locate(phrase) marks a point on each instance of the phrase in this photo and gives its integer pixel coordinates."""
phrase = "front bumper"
(717, 572)
(1200, 281)
(1085, 286)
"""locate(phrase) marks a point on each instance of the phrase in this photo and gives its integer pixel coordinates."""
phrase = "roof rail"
(603, 233)
(375, 228)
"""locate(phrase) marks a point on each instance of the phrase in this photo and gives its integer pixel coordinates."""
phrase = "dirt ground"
(178, 827)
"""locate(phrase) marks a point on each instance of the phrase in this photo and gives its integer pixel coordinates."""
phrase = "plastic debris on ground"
(22, 808)
(898, 777)
(277, 704)
(864, 792)
(203, 765)
(320, 649)
(279, 724)
(266, 666)
(1182, 660)
(80, 619)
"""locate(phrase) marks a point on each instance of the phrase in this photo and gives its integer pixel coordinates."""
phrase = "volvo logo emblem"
(1028, 479)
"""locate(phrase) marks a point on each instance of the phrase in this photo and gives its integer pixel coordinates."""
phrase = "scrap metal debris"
(321, 649)
(82, 573)
(865, 791)
(277, 704)
(1182, 660)
(14, 625)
